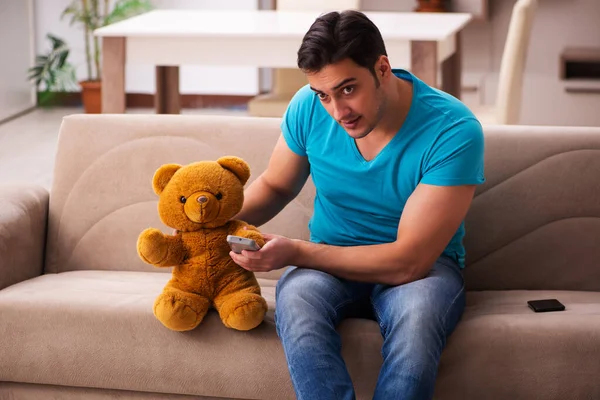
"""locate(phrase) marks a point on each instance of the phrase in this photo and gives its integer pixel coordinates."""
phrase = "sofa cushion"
(96, 329)
(28, 391)
(503, 350)
(534, 224)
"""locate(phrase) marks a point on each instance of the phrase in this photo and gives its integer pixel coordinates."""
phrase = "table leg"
(423, 61)
(452, 70)
(113, 75)
(167, 99)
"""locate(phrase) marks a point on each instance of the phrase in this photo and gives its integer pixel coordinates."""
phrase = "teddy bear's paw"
(180, 311)
(258, 238)
(152, 246)
(243, 311)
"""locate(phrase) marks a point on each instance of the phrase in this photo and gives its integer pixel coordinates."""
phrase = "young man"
(395, 164)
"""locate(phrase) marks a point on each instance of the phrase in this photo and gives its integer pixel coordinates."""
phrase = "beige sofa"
(76, 316)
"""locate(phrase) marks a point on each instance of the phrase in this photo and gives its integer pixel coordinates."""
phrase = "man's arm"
(430, 218)
(281, 182)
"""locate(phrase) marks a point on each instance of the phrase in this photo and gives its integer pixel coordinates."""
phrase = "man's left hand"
(278, 252)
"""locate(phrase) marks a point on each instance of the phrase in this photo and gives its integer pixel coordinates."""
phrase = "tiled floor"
(28, 143)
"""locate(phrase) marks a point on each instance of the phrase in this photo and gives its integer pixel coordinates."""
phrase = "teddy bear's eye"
(219, 196)
(182, 199)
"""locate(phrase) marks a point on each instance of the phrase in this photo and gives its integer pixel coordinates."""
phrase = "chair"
(507, 108)
(287, 81)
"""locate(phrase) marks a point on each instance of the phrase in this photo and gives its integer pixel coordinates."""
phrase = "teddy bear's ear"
(236, 165)
(162, 176)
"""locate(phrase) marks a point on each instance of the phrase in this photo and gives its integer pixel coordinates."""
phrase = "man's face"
(351, 95)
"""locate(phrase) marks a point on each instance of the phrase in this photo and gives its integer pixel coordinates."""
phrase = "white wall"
(140, 78)
(16, 42)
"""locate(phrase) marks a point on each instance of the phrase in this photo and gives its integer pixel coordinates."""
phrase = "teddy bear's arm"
(159, 249)
(241, 228)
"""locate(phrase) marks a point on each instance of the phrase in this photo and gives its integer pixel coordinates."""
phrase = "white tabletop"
(267, 24)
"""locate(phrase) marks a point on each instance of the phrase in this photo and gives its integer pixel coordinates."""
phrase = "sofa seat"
(61, 329)
(502, 347)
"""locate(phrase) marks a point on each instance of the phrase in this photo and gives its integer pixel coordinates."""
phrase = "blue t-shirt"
(360, 202)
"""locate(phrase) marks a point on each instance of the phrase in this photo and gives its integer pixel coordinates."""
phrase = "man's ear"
(162, 176)
(383, 67)
(236, 165)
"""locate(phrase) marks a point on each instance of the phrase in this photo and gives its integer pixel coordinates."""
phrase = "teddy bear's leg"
(179, 310)
(242, 310)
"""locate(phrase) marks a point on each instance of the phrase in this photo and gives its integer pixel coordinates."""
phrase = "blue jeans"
(415, 320)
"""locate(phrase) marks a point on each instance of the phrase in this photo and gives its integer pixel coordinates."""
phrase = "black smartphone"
(545, 305)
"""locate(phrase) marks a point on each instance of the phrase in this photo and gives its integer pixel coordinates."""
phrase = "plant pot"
(91, 96)
(431, 6)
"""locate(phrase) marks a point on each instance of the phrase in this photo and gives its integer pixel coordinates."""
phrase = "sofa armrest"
(23, 221)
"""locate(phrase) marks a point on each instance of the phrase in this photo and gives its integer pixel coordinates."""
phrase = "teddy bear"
(198, 201)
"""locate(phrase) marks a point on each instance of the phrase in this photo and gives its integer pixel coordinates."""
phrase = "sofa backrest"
(102, 198)
(534, 224)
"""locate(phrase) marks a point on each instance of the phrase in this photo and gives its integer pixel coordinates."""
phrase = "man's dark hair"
(336, 36)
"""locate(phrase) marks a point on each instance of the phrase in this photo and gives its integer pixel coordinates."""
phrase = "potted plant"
(92, 15)
(54, 73)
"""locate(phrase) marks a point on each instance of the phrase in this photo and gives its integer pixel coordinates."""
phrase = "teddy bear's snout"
(202, 207)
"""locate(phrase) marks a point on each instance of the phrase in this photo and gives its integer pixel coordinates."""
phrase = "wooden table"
(427, 44)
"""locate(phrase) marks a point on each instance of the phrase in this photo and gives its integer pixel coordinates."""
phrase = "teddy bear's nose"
(202, 199)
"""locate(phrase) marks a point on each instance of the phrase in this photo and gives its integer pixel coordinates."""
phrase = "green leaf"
(56, 42)
(52, 70)
(62, 58)
(124, 9)
(65, 79)
(76, 11)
